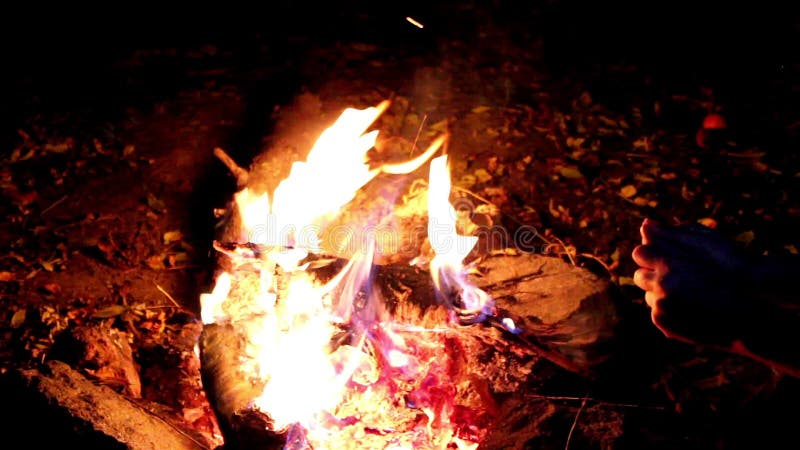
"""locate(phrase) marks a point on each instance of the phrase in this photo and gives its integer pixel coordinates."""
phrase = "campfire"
(333, 366)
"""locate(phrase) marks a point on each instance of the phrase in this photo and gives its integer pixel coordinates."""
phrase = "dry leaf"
(110, 311)
(6, 276)
(626, 281)
(156, 204)
(482, 175)
(628, 191)
(570, 172)
(708, 222)
(172, 236)
(18, 318)
(467, 181)
(480, 109)
(669, 176)
(52, 288)
(49, 266)
(574, 142)
(156, 262)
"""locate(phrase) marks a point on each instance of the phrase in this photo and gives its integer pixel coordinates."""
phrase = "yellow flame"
(211, 304)
(451, 248)
(336, 168)
(291, 319)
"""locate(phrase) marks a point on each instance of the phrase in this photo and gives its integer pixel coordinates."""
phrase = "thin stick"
(53, 205)
(575, 422)
(240, 174)
(600, 261)
(419, 130)
(594, 400)
(566, 250)
(166, 294)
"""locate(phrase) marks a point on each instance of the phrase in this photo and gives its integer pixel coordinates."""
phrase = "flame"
(449, 275)
(337, 373)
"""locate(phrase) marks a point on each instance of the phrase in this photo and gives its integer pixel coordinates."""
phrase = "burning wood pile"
(335, 323)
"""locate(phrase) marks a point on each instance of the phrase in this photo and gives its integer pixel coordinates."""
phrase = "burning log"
(231, 396)
(561, 313)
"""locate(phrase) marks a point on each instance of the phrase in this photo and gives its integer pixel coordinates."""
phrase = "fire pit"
(313, 340)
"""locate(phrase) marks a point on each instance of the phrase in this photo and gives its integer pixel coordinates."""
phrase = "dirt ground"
(575, 120)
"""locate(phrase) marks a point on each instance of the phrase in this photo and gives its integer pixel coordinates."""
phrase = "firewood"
(81, 414)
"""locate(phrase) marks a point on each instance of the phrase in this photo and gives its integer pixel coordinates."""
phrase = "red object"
(714, 122)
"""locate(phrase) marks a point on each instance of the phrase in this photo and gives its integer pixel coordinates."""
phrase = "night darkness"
(585, 117)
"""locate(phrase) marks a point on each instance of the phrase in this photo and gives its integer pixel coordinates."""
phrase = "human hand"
(695, 282)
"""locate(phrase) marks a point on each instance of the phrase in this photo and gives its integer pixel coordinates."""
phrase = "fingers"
(645, 238)
(646, 279)
(646, 256)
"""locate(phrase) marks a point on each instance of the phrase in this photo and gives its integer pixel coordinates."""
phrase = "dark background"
(66, 51)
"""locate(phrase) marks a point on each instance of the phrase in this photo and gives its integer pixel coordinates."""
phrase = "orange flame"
(449, 275)
(335, 374)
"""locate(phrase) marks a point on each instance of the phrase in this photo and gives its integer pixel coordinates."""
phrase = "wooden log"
(80, 414)
(230, 393)
(560, 307)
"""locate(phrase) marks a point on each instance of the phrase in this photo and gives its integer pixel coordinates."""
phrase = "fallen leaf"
(575, 142)
(172, 236)
(482, 175)
(156, 262)
(669, 176)
(570, 172)
(61, 147)
(552, 208)
(626, 281)
(52, 288)
(49, 266)
(154, 203)
(6, 276)
(480, 109)
(708, 222)
(791, 249)
(18, 318)
(110, 311)
(628, 191)
(467, 181)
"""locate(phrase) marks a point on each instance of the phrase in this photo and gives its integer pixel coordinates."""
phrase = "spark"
(414, 22)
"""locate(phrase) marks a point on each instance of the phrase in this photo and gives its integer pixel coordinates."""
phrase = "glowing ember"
(338, 372)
